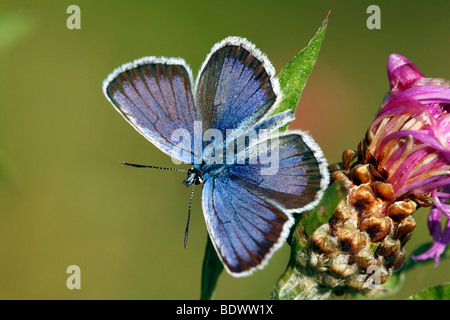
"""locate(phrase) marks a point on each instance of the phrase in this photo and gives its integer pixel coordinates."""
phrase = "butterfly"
(248, 208)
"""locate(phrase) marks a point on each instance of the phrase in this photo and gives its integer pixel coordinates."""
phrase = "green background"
(66, 199)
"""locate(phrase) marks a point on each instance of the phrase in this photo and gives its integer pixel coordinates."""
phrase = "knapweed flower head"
(403, 163)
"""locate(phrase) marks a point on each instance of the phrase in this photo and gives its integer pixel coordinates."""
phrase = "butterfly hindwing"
(244, 228)
(249, 208)
(288, 169)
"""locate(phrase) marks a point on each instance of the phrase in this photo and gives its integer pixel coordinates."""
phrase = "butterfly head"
(194, 176)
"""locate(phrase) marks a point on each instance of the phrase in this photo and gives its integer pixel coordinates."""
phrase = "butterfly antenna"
(189, 216)
(154, 167)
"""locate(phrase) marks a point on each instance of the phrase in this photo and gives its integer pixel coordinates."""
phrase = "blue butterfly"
(248, 212)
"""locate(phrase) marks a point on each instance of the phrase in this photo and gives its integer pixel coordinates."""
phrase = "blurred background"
(66, 199)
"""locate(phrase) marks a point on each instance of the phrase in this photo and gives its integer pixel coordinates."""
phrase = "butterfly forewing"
(235, 87)
(154, 96)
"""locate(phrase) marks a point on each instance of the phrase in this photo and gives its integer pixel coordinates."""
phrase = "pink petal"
(442, 207)
(402, 73)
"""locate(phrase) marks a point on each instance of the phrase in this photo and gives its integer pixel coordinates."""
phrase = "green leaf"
(324, 210)
(440, 292)
(295, 73)
(211, 270)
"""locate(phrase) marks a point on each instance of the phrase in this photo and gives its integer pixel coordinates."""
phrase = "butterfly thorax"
(201, 172)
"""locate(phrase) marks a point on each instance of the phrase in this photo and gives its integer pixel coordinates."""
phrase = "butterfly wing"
(287, 169)
(236, 86)
(248, 210)
(244, 228)
(154, 95)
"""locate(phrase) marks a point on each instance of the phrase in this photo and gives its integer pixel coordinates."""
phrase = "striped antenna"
(189, 216)
(154, 167)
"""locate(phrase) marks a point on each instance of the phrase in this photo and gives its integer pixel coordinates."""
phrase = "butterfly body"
(194, 176)
(254, 178)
